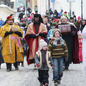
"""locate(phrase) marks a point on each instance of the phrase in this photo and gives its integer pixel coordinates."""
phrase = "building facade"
(7, 2)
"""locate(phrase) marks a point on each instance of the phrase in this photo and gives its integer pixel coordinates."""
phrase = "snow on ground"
(27, 76)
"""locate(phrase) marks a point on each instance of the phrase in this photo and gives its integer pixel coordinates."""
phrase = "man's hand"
(14, 29)
(37, 35)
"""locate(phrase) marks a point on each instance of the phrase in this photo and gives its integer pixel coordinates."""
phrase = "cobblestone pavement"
(27, 76)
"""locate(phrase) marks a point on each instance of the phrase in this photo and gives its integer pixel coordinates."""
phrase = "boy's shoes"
(46, 84)
(66, 69)
(59, 81)
(41, 84)
(55, 84)
(38, 65)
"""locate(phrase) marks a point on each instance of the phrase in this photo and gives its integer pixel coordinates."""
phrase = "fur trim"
(48, 54)
(40, 58)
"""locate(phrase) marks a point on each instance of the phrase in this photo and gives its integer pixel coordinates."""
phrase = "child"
(42, 60)
(58, 49)
(51, 31)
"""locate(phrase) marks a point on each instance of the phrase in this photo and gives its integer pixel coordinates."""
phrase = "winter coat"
(59, 50)
(39, 60)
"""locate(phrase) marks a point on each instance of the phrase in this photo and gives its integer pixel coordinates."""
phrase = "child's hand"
(52, 38)
(52, 66)
(38, 65)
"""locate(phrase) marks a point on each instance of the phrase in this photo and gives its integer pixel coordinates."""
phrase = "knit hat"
(42, 44)
(57, 30)
(62, 17)
(54, 24)
(79, 18)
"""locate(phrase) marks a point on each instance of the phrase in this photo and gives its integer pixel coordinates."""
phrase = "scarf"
(55, 42)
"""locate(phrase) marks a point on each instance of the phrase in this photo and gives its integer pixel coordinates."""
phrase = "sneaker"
(66, 69)
(46, 84)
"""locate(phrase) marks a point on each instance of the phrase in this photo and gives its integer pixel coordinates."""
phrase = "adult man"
(35, 32)
(69, 34)
(12, 50)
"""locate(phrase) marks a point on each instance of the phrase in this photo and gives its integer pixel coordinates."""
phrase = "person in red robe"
(35, 31)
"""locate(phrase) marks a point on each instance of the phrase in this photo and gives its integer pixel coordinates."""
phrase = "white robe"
(84, 49)
(84, 46)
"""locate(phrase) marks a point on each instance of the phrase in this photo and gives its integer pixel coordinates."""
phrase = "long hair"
(40, 19)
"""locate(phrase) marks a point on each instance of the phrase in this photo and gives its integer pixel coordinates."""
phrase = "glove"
(32, 36)
(38, 65)
(52, 66)
(43, 35)
(18, 33)
(8, 33)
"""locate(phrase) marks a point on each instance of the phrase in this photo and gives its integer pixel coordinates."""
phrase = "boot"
(55, 83)
(9, 67)
(41, 84)
(46, 84)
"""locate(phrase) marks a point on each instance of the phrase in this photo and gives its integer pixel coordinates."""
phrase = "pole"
(53, 6)
(48, 4)
(25, 6)
(81, 9)
(70, 7)
(53, 3)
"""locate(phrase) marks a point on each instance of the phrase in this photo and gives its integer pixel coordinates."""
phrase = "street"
(27, 76)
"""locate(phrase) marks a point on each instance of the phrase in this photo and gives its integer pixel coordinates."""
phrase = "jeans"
(58, 68)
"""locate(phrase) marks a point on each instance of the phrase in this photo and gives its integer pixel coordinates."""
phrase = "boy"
(58, 49)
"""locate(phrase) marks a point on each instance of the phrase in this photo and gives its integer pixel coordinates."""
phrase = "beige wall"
(34, 3)
(6, 12)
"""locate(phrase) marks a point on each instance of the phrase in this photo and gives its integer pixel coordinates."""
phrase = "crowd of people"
(52, 41)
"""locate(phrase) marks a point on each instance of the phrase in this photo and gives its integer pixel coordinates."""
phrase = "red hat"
(65, 12)
(56, 20)
(9, 18)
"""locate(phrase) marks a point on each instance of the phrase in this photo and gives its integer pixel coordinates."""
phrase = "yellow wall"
(34, 3)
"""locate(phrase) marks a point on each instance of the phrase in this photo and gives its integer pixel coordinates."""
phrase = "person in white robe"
(84, 48)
